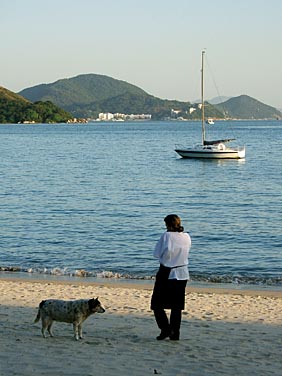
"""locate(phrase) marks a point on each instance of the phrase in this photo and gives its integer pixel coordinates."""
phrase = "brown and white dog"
(71, 311)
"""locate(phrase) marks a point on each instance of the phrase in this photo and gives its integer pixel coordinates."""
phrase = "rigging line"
(218, 94)
(195, 84)
(214, 82)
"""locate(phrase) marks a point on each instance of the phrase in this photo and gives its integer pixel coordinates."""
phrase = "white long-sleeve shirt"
(173, 250)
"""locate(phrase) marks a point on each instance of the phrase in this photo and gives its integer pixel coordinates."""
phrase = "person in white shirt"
(172, 250)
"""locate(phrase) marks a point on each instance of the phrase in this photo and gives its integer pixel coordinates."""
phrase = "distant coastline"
(94, 97)
(88, 95)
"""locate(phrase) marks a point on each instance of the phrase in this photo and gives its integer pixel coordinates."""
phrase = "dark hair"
(174, 223)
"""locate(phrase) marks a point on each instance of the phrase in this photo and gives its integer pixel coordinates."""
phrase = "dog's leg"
(45, 323)
(75, 330)
(43, 332)
(80, 330)
(49, 328)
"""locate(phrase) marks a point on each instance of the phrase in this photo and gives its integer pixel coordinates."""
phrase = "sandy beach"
(224, 332)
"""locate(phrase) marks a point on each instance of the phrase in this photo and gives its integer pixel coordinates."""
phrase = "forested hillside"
(245, 107)
(16, 109)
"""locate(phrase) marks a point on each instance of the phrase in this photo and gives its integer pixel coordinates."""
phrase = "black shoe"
(164, 334)
(174, 336)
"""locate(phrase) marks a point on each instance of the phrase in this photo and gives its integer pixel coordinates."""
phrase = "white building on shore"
(122, 117)
(105, 116)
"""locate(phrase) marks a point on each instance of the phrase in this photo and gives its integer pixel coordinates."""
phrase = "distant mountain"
(89, 94)
(17, 109)
(80, 90)
(245, 107)
(214, 101)
(218, 100)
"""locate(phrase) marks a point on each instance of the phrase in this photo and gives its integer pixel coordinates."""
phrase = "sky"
(153, 44)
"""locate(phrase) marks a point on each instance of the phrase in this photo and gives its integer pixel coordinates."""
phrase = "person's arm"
(160, 247)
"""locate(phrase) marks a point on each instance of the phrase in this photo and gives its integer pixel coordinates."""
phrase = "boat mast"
(202, 98)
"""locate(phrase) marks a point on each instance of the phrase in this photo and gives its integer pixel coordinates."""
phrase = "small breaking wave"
(75, 273)
(238, 280)
(265, 281)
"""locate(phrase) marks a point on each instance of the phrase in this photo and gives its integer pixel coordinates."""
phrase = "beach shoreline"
(201, 287)
(223, 332)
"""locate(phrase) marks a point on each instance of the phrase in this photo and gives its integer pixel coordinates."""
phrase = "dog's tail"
(38, 313)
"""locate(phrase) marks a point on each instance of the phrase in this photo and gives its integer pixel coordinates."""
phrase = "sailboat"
(216, 149)
(210, 121)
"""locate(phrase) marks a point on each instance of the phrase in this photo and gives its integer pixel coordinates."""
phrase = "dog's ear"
(92, 303)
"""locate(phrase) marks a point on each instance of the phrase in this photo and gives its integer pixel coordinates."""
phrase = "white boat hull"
(228, 153)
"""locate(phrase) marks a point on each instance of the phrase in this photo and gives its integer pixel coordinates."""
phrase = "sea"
(87, 201)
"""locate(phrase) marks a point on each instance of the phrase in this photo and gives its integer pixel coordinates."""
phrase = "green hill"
(17, 109)
(88, 95)
(81, 90)
(245, 107)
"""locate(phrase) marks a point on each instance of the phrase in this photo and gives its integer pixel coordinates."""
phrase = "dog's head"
(95, 306)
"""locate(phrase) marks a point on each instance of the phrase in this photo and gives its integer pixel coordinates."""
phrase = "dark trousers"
(173, 325)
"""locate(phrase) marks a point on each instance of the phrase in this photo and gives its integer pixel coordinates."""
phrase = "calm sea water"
(93, 197)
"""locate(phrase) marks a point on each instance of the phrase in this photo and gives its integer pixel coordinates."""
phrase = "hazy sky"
(154, 44)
